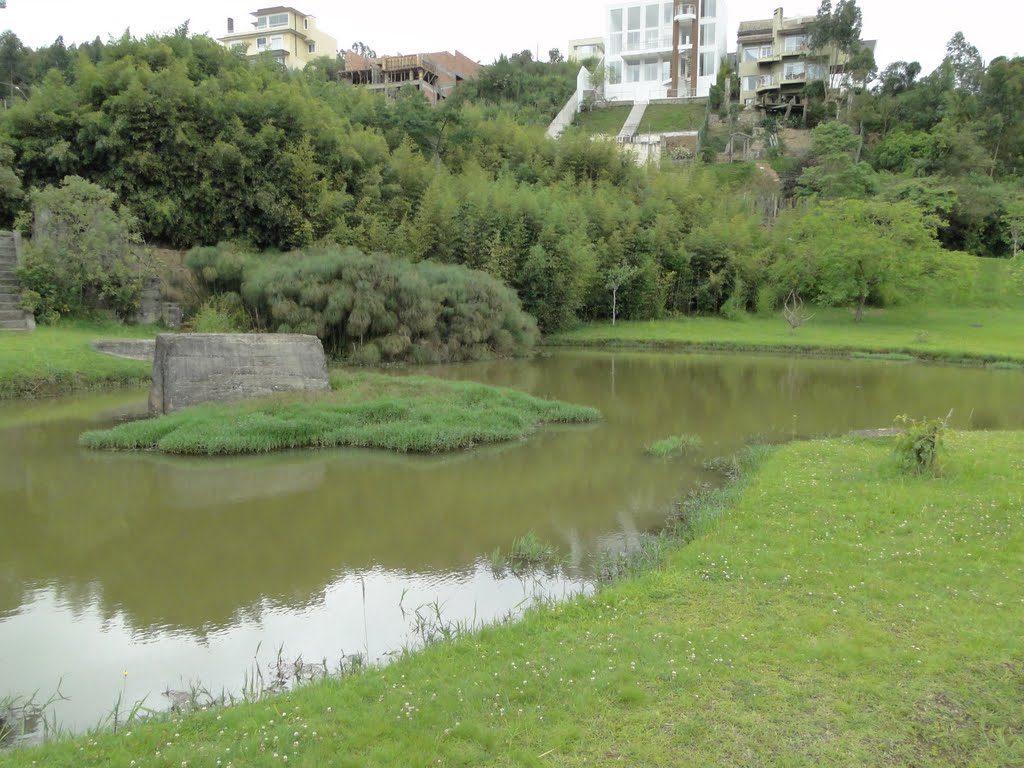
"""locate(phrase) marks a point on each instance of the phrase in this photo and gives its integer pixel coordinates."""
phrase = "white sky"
(905, 29)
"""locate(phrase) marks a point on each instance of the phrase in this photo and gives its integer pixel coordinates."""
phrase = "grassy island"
(407, 414)
(837, 613)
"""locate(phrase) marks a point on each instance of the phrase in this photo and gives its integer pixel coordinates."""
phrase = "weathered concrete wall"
(195, 368)
(133, 349)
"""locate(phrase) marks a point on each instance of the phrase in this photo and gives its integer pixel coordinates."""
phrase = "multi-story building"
(585, 48)
(435, 75)
(657, 50)
(290, 36)
(776, 61)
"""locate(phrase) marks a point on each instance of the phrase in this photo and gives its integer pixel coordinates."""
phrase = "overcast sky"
(905, 29)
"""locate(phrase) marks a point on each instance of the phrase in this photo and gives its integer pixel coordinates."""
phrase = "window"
(305, 25)
(651, 68)
(651, 37)
(707, 34)
(795, 71)
(614, 72)
(707, 65)
(795, 43)
(616, 20)
(666, 13)
(709, 9)
(633, 73)
(632, 41)
(752, 53)
(261, 43)
(815, 72)
(651, 14)
(615, 43)
(274, 20)
(666, 70)
(277, 43)
(312, 47)
(633, 17)
(749, 83)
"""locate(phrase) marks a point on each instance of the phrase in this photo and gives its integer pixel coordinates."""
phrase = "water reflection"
(181, 567)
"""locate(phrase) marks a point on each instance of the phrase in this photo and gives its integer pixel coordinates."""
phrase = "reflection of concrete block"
(195, 368)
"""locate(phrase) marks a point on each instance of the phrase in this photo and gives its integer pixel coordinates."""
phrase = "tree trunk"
(615, 292)
(860, 308)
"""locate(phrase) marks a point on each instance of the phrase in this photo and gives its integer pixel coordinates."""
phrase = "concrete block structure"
(193, 368)
(435, 75)
(776, 61)
(585, 48)
(657, 50)
(289, 35)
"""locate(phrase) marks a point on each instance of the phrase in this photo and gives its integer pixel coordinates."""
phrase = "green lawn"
(408, 414)
(666, 118)
(837, 613)
(58, 359)
(605, 120)
(951, 334)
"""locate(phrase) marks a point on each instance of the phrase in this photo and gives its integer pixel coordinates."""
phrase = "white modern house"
(658, 50)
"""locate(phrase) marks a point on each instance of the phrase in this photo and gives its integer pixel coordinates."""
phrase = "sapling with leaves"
(618, 276)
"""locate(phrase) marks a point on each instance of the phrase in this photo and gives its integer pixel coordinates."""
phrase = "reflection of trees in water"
(193, 543)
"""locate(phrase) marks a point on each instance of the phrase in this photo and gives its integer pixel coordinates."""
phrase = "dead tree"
(793, 311)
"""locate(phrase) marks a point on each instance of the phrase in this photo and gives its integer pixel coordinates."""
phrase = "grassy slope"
(369, 410)
(665, 118)
(608, 120)
(982, 334)
(839, 614)
(58, 359)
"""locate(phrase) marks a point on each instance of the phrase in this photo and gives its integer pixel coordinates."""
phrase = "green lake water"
(176, 570)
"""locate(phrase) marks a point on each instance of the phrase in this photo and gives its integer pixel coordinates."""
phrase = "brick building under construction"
(435, 75)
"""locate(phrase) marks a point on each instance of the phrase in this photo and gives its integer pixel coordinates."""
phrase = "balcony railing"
(685, 11)
(655, 44)
(794, 77)
(766, 52)
(765, 82)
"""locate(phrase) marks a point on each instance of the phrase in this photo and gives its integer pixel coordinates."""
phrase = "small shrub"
(677, 445)
(767, 300)
(918, 445)
(221, 314)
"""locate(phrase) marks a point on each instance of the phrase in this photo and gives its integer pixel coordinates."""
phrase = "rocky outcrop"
(196, 368)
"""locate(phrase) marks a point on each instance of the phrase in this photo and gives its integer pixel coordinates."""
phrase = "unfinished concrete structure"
(435, 75)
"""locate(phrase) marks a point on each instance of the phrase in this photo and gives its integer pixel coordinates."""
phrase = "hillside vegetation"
(201, 146)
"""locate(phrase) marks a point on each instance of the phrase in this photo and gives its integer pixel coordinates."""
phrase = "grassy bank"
(57, 360)
(838, 614)
(418, 414)
(979, 335)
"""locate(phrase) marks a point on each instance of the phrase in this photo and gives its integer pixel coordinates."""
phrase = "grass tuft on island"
(837, 613)
(414, 414)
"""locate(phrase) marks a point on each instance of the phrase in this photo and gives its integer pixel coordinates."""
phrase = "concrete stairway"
(12, 316)
(636, 114)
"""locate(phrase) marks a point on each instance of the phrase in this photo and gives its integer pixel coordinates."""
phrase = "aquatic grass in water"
(677, 445)
(409, 415)
(528, 552)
